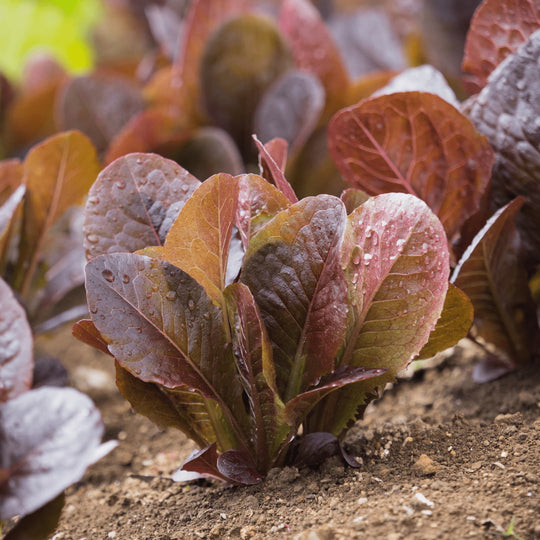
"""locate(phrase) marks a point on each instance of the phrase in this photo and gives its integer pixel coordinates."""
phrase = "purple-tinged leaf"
(490, 368)
(417, 143)
(253, 353)
(396, 261)
(276, 175)
(237, 467)
(492, 273)
(292, 267)
(203, 462)
(199, 240)
(49, 372)
(162, 327)
(498, 28)
(258, 202)
(314, 50)
(231, 466)
(506, 111)
(313, 449)
(16, 346)
(48, 437)
(129, 204)
(179, 408)
(98, 106)
(297, 408)
(86, 331)
(367, 41)
(39, 524)
(290, 109)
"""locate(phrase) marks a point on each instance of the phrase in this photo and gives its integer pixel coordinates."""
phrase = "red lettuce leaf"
(491, 272)
(133, 203)
(162, 327)
(498, 28)
(415, 143)
(200, 238)
(16, 346)
(396, 262)
(253, 352)
(85, 330)
(274, 173)
(180, 407)
(292, 267)
(258, 202)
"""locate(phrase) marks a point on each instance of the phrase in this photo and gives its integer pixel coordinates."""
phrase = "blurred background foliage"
(56, 27)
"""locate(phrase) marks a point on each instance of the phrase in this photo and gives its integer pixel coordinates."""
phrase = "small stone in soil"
(425, 466)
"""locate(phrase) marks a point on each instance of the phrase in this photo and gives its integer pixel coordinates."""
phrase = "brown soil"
(442, 457)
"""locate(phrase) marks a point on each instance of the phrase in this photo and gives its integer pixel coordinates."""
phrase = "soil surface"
(442, 457)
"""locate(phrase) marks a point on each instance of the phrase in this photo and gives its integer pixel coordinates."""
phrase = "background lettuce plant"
(251, 314)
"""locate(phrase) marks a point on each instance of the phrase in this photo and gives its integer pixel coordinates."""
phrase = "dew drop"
(93, 310)
(400, 242)
(171, 295)
(125, 278)
(120, 184)
(185, 188)
(92, 238)
(93, 200)
(137, 371)
(108, 276)
(206, 316)
(191, 304)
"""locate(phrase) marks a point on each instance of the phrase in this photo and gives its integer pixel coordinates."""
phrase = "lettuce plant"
(48, 435)
(239, 314)
(476, 169)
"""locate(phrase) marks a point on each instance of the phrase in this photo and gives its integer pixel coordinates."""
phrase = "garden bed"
(479, 475)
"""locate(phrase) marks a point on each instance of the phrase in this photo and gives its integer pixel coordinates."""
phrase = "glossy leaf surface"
(58, 174)
(413, 143)
(274, 173)
(133, 203)
(85, 330)
(179, 408)
(498, 28)
(506, 112)
(293, 270)
(258, 202)
(492, 274)
(48, 438)
(396, 262)
(253, 352)
(199, 240)
(314, 49)
(455, 322)
(16, 346)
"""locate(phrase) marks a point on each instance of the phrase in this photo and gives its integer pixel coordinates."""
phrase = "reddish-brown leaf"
(293, 269)
(85, 330)
(199, 240)
(415, 143)
(11, 175)
(491, 272)
(498, 28)
(134, 202)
